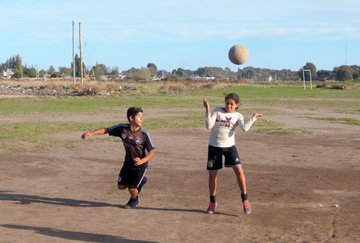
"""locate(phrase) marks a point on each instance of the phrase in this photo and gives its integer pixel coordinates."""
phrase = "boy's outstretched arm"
(246, 126)
(100, 131)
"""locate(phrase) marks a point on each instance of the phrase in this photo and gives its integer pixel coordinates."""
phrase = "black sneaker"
(142, 183)
(132, 203)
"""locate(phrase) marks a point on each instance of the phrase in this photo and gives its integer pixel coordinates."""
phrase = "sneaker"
(246, 206)
(142, 183)
(211, 208)
(132, 203)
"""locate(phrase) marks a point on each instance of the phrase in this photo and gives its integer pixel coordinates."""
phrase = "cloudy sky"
(279, 34)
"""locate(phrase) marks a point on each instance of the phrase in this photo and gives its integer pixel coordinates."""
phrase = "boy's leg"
(122, 181)
(134, 198)
(212, 191)
(214, 163)
(212, 182)
(240, 176)
(142, 183)
(143, 180)
(136, 181)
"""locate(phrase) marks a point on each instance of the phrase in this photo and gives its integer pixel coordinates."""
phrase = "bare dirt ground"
(303, 187)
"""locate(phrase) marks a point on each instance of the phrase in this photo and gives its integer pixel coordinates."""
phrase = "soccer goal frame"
(310, 79)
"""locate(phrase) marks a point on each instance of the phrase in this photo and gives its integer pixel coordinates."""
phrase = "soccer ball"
(238, 54)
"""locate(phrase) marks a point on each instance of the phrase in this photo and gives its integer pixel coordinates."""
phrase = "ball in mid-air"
(238, 54)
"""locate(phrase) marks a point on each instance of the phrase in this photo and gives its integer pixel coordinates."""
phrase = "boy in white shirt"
(223, 121)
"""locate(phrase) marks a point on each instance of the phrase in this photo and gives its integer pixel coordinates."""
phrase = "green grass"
(13, 106)
(275, 128)
(37, 131)
(290, 96)
(349, 121)
(191, 115)
(193, 121)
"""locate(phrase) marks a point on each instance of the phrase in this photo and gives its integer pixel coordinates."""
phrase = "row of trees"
(342, 73)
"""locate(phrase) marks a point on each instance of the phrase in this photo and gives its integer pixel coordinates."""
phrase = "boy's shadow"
(70, 235)
(28, 199)
(184, 210)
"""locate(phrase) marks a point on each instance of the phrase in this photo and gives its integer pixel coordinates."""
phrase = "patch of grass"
(275, 128)
(175, 122)
(17, 130)
(39, 131)
(12, 106)
(290, 96)
(349, 121)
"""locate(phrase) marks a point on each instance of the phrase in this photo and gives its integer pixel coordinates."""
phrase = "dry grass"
(118, 87)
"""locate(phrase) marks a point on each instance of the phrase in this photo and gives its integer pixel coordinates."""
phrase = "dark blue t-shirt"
(135, 143)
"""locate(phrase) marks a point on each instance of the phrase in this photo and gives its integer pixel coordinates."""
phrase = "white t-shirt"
(223, 125)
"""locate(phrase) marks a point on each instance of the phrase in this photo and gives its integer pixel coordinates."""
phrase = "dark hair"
(232, 96)
(133, 111)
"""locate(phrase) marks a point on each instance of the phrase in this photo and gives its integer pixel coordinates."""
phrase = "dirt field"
(303, 187)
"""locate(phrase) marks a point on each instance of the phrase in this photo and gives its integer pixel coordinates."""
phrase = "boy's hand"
(257, 115)
(86, 135)
(206, 105)
(138, 161)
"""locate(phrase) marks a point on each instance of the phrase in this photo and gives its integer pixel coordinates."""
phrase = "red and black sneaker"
(211, 208)
(246, 206)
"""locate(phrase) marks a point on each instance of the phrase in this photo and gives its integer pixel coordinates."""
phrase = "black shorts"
(215, 155)
(131, 178)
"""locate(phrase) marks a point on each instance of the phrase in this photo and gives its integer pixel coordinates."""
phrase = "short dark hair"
(133, 111)
(232, 96)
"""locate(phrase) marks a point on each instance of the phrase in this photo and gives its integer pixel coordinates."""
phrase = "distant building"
(8, 73)
(197, 77)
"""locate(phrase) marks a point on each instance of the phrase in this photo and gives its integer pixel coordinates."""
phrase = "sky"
(188, 34)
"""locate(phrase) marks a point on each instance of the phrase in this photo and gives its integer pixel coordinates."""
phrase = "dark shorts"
(215, 157)
(131, 178)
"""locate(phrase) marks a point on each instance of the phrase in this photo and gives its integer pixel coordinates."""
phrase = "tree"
(182, 73)
(78, 67)
(51, 70)
(114, 72)
(99, 70)
(308, 66)
(42, 73)
(18, 67)
(152, 69)
(246, 73)
(137, 74)
(65, 71)
(343, 73)
(15, 63)
(3, 67)
(30, 72)
(323, 75)
(356, 72)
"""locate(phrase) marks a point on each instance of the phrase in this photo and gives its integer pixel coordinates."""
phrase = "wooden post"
(81, 61)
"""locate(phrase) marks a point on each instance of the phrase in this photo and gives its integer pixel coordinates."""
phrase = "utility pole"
(73, 51)
(81, 62)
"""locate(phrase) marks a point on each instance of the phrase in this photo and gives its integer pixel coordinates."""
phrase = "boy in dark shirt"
(139, 149)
